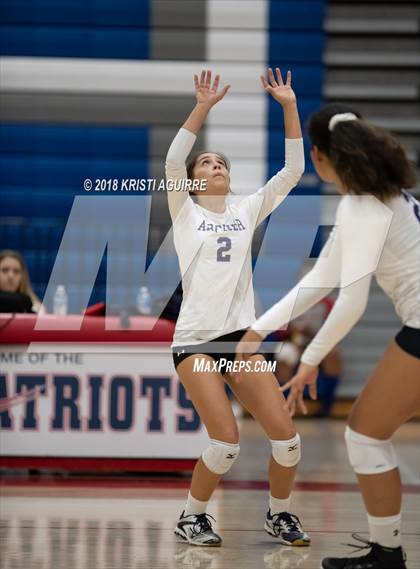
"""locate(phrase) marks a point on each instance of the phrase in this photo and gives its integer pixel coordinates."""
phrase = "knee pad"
(219, 456)
(286, 453)
(368, 455)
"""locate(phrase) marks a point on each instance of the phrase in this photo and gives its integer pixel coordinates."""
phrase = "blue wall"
(75, 28)
(43, 166)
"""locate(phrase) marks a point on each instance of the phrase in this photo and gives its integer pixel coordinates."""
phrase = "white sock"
(278, 505)
(194, 506)
(385, 530)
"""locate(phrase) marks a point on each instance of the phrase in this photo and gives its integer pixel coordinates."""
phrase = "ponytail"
(366, 158)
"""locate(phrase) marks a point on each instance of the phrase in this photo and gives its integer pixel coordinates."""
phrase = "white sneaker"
(197, 530)
(286, 527)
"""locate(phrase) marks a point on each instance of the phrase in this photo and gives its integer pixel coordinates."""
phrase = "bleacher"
(372, 63)
(42, 170)
(74, 105)
(98, 90)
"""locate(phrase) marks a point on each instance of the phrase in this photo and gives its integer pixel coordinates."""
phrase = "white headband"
(340, 117)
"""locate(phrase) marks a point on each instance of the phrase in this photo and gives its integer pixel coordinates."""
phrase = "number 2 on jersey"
(222, 255)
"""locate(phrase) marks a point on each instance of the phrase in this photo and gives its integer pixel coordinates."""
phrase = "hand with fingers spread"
(305, 375)
(205, 92)
(280, 91)
(207, 95)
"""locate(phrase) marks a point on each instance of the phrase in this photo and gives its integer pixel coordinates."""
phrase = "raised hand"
(281, 92)
(205, 92)
(305, 375)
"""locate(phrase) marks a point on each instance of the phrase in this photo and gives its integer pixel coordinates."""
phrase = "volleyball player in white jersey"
(377, 232)
(213, 241)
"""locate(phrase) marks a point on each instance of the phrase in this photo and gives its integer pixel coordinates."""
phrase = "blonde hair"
(25, 283)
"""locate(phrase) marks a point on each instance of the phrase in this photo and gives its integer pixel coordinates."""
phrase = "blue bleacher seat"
(66, 41)
(76, 12)
(296, 14)
(67, 140)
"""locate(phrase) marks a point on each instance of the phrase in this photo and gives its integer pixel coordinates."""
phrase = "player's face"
(325, 169)
(10, 274)
(322, 165)
(212, 167)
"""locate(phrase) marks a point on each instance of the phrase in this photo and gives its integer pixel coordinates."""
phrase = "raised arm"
(266, 199)
(284, 94)
(207, 95)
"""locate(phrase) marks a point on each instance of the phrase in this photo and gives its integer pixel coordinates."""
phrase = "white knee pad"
(219, 456)
(287, 453)
(368, 455)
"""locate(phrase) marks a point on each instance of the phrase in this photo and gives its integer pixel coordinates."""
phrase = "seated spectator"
(16, 294)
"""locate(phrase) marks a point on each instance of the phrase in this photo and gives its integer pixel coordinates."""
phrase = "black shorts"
(218, 348)
(408, 340)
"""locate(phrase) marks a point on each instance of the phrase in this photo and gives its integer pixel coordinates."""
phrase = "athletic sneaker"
(379, 557)
(197, 530)
(287, 527)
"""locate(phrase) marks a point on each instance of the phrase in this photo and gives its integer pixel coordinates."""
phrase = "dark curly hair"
(368, 159)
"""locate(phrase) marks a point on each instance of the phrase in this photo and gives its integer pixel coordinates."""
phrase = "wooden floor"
(127, 522)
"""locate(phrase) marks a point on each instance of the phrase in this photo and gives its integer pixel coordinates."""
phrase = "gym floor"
(126, 522)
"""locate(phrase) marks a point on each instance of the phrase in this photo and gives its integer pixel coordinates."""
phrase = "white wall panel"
(243, 14)
(247, 176)
(238, 142)
(236, 33)
(235, 45)
(120, 76)
(240, 111)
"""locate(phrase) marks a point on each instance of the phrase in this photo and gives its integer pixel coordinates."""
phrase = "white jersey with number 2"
(214, 249)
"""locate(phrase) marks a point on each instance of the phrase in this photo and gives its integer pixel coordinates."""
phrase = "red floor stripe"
(168, 483)
(80, 464)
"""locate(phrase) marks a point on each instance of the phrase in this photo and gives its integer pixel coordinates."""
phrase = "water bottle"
(60, 301)
(144, 301)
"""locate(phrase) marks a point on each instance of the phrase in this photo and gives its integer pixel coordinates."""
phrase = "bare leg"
(391, 397)
(259, 393)
(207, 392)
